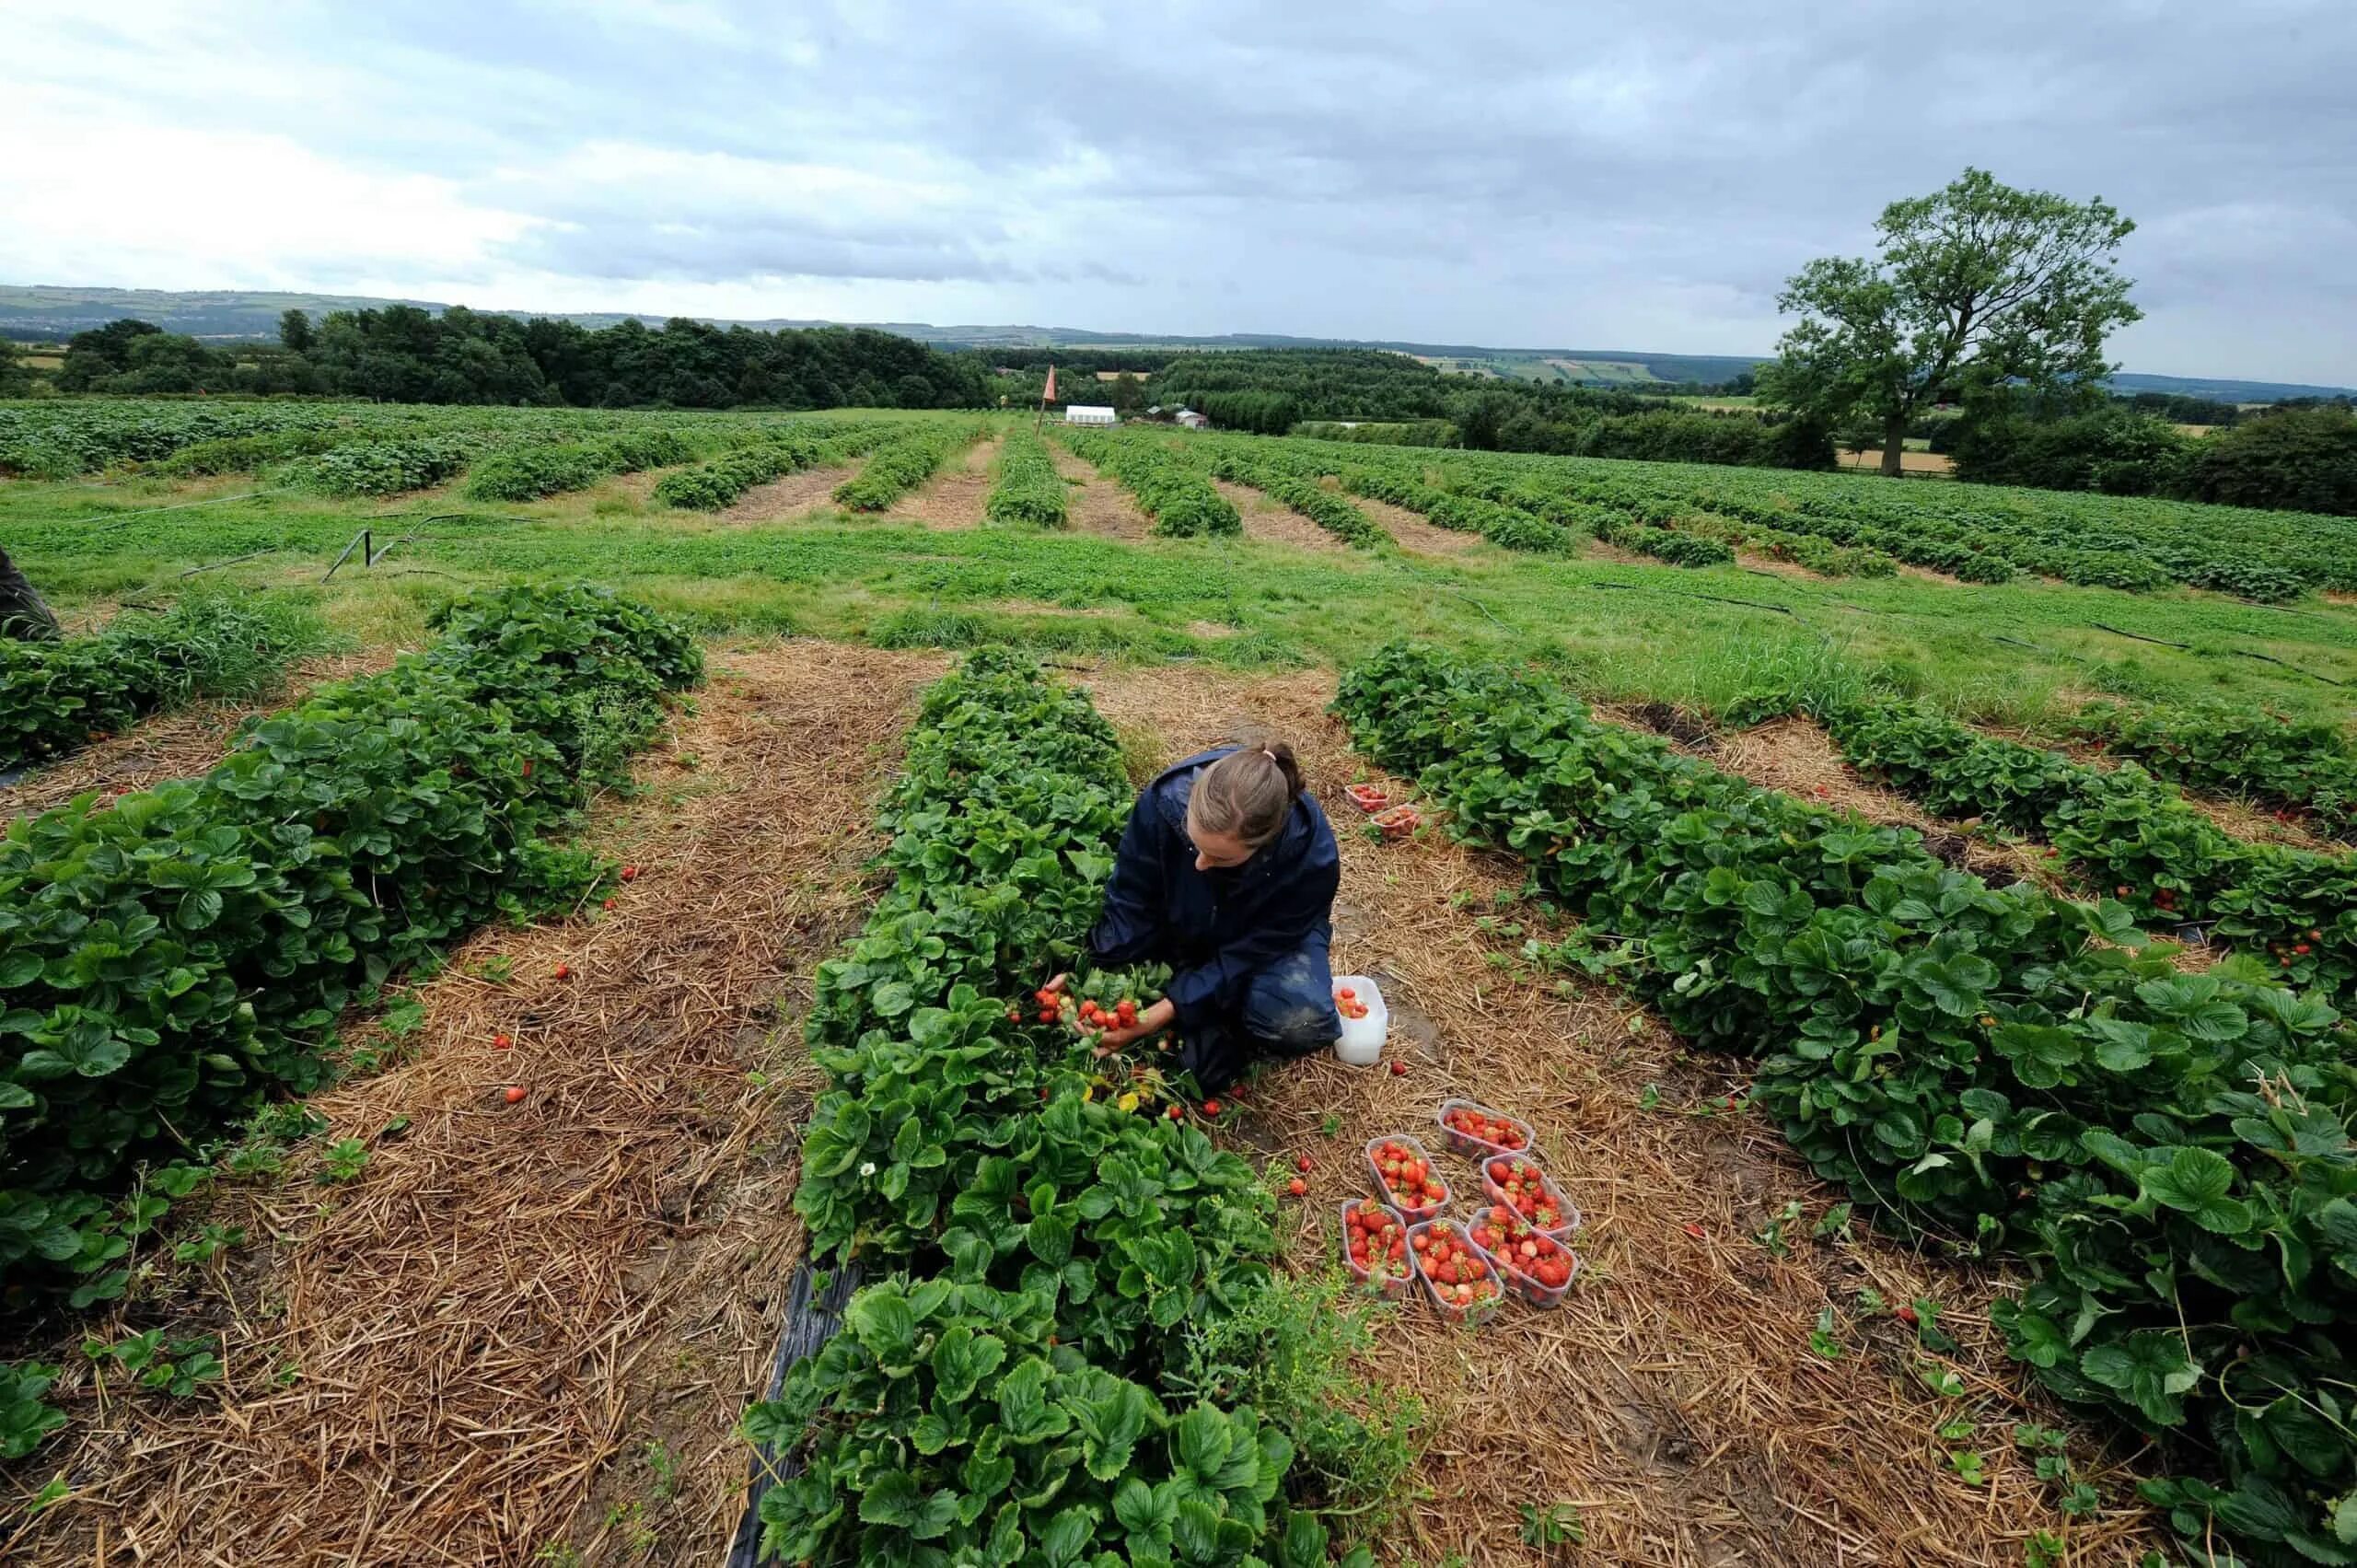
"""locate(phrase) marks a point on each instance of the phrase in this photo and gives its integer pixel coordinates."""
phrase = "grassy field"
(1737, 1376)
(1617, 628)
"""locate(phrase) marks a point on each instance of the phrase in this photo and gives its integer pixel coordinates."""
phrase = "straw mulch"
(954, 497)
(1674, 1397)
(179, 745)
(530, 1328)
(1266, 518)
(1096, 504)
(1795, 755)
(781, 499)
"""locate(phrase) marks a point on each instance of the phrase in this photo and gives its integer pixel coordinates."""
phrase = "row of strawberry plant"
(1028, 490)
(1821, 556)
(1466, 514)
(912, 456)
(1010, 1393)
(380, 467)
(1612, 524)
(57, 697)
(528, 473)
(2225, 748)
(2166, 1153)
(169, 958)
(1256, 464)
(2124, 830)
(1169, 489)
(789, 448)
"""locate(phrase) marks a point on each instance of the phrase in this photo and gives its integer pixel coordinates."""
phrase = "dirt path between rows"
(782, 499)
(179, 745)
(1266, 518)
(1099, 506)
(1675, 1397)
(523, 1334)
(954, 497)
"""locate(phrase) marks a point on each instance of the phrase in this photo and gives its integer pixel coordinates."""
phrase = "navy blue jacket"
(1213, 928)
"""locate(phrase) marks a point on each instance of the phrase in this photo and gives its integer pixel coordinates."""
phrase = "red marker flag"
(1050, 395)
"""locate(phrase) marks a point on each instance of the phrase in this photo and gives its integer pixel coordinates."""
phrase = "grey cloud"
(1521, 172)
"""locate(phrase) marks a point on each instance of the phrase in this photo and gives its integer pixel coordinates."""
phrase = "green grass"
(1613, 631)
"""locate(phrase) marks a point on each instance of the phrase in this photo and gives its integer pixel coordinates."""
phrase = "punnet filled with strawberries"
(1475, 1130)
(1374, 1245)
(1524, 1188)
(1406, 1175)
(1462, 1281)
(1537, 1267)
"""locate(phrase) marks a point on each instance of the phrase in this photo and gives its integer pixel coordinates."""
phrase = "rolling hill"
(44, 313)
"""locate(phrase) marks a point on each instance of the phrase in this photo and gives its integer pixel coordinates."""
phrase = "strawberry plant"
(1028, 490)
(967, 1135)
(2125, 831)
(949, 1417)
(528, 473)
(167, 963)
(1181, 501)
(2167, 1155)
(2223, 748)
(913, 454)
(57, 697)
(782, 450)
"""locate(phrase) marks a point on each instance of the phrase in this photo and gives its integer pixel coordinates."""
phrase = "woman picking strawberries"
(1227, 873)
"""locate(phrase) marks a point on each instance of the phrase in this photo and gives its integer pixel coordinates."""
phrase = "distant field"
(1910, 462)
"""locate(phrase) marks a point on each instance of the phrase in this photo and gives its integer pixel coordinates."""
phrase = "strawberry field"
(425, 1113)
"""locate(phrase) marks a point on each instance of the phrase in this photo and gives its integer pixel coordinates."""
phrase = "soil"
(783, 499)
(1675, 1397)
(1099, 506)
(179, 745)
(1268, 518)
(532, 1328)
(954, 497)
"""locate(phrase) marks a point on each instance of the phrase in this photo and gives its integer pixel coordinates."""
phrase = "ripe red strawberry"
(1302, 1165)
(516, 1093)
(1296, 1187)
(1399, 1068)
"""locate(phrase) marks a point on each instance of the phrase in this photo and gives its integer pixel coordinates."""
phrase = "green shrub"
(2295, 460)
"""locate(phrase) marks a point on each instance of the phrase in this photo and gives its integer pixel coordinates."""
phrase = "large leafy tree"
(1976, 286)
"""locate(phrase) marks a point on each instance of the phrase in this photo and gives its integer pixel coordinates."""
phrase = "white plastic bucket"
(1362, 1041)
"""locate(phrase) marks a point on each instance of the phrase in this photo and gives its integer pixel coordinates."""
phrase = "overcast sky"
(1587, 175)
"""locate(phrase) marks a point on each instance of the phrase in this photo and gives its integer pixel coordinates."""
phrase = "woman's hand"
(1152, 1021)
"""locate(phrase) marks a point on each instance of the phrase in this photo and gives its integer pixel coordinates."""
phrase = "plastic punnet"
(1475, 1148)
(1412, 1212)
(1506, 1255)
(1567, 1213)
(1400, 1273)
(1480, 1311)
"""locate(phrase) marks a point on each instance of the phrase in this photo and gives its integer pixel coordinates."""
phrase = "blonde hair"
(1249, 793)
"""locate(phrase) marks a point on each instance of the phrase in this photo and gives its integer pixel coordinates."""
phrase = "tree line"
(401, 354)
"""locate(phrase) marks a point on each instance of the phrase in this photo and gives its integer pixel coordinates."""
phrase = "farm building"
(1087, 413)
(1192, 420)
